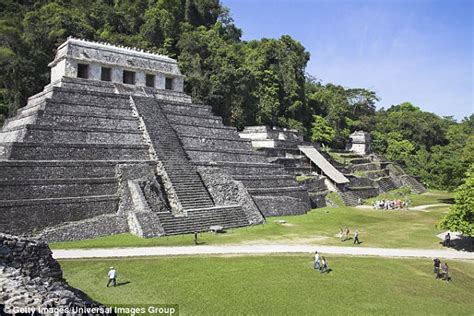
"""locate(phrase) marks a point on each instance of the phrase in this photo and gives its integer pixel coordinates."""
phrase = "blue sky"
(419, 51)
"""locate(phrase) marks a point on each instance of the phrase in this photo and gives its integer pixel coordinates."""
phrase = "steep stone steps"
(385, 184)
(199, 220)
(29, 215)
(191, 193)
(350, 198)
(416, 186)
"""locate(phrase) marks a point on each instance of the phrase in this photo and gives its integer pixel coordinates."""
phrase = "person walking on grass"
(112, 277)
(446, 272)
(324, 265)
(436, 265)
(356, 237)
(317, 261)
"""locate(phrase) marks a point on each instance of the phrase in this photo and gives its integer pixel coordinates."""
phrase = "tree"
(461, 214)
(321, 131)
(398, 149)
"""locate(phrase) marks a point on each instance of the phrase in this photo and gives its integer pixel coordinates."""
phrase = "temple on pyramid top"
(77, 58)
(113, 145)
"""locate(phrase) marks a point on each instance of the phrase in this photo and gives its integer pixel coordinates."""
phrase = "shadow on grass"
(123, 283)
(463, 244)
(446, 201)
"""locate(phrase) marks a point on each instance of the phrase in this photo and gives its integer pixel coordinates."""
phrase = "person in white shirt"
(317, 261)
(356, 237)
(112, 276)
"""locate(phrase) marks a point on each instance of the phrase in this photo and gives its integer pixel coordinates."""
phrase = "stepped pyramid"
(354, 173)
(113, 145)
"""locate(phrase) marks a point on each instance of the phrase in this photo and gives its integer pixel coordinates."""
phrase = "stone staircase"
(385, 184)
(209, 143)
(200, 220)
(200, 211)
(61, 159)
(414, 184)
(350, 198)
(190, 189)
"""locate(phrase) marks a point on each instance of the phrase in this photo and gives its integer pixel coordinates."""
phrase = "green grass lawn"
(279, 285)
(397, 229)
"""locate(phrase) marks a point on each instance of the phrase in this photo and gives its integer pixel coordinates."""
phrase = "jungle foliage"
(246, 82)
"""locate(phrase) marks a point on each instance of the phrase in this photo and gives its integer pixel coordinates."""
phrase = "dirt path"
(258, 249)
(424, 207)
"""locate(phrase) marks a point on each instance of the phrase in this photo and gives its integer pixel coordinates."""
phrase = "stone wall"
(317, 191)
(226, 191)
(30, 277)
(103, 225)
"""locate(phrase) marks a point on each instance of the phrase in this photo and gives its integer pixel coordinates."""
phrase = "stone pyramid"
(113, 145)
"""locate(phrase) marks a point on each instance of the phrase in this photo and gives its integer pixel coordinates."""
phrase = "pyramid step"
(32, 169)
(57, 188)
(62, 151)
(71, 134)
(26, 216)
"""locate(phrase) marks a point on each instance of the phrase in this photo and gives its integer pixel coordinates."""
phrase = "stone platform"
(84, 154)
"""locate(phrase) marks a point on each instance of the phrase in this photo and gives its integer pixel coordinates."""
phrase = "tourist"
(195, 238)
(112, 277)
(446, 272)
(436, 264)
(317, 261)
(341, 233)
(324, 265)
(359, 201)
(447, 240)
(356, 237)
(344, 233)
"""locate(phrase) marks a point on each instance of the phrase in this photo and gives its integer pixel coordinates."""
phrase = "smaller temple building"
(359, 142)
